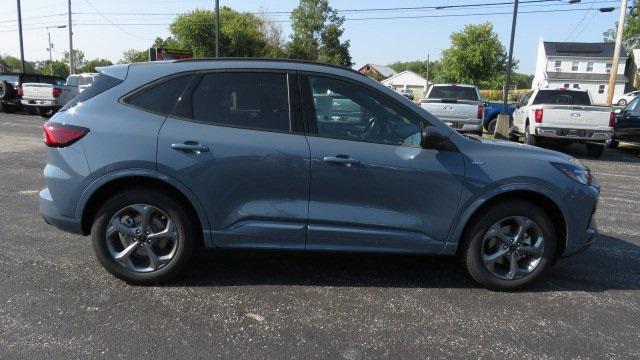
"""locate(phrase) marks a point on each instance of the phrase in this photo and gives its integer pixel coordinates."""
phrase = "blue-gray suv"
(156, 160)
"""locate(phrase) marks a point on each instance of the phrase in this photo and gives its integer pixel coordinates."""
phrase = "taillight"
(480, 113)
(60, 135)
(19, 90)
(537, 115)
(612, 119)
(56, 92)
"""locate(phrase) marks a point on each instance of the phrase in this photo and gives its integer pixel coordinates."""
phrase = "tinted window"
(85, 80)
(12, 79)
(159, 98)
(247, 100)
(562, 97)
(633, 105)
(101, 84)
(344, 110)
(454, 92)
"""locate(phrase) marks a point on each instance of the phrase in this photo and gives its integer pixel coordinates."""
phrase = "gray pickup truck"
(457, 105)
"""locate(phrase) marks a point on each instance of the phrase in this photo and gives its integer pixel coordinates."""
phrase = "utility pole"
(217, 28)
(427, 89)
(616, 53)
(50, 48)
(72, 67)
(20, 35)
(505, 95)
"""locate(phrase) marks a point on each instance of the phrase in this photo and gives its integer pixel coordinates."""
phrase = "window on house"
(558, 64)
(601, 89)
(590, 66)
(608, 67)
(574, 66)
(576, 86)
(566, 86)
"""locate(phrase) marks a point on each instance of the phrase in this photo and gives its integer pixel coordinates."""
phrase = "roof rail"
(269, 60)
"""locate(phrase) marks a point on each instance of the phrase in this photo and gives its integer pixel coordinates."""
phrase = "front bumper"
(40, 103)
(582, 228)
(574, 134)
(51, 215)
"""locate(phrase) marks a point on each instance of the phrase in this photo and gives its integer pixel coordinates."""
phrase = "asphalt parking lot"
(57, 302)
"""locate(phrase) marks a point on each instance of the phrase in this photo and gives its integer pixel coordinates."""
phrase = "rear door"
(232, 140)
(628, 122)
(373, 188)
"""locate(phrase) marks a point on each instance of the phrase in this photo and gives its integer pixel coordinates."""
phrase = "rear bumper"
(40, 103)
(574, 134)
(464, 126)
(51, 215)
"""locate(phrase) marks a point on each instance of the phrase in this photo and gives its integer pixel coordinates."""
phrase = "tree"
(133, 56)
(631, 33)
(78, 58)
(419, 67)
(476, 56)
(168, 43)
(12, 63)
(90, 66)
(317, 30)
(240, 33)
(55, 67)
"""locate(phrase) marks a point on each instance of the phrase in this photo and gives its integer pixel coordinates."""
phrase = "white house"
(580, 66)
(407, 80)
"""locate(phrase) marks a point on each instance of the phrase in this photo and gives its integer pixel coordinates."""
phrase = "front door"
(372, 187)
(628, 126)
(230, 141)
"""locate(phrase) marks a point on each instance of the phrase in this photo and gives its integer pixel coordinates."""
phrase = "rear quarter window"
(159, 97)
(101, 84)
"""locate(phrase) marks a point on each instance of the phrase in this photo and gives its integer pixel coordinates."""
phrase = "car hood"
(528, 150)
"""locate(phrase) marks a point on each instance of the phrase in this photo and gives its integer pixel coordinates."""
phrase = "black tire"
(185, 228)
(491, 128)
(46, 112)
(9, 109)
(595, 150)
(528, 138)
(612, 143)
(622, 102)
(473, 242)
(514, 137)
(6, 90)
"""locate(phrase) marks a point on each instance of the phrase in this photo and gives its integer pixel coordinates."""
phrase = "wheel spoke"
(117, 226)
(154, 262)
(524, 224)
(493, 257)
(496, 231)
(169, 232)
(124, 254)
(513, 266)
(145, 216)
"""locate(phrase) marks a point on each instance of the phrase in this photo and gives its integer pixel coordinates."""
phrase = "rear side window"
(562, 97)
(101, 84)
(454, 92)
(246, 100)
(159, 98)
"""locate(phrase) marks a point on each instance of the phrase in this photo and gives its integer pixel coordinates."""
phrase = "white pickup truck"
(48, 98)
(458, 105)
(563, 115)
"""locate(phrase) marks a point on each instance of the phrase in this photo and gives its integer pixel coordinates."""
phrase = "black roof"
(601, 49)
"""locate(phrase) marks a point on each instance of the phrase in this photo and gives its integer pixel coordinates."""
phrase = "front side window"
(344, 110)
(243, 99)
(159, 98)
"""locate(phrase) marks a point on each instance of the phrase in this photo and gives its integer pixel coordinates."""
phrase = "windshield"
(454, 92)
(562, 97)
(85, 80)
(12, 79)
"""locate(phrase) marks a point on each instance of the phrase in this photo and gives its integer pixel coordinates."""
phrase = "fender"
(141, 172)
(451, 245)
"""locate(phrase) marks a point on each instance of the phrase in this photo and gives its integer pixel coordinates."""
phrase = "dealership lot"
(56, 301)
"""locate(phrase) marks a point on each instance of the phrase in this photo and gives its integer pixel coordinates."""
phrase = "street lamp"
(50, 48)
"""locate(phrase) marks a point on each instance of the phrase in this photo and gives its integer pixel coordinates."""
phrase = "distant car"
(458, 105)
(406, 93)
(627, 127)
(11, 88)
(624, 99)
(156, 160)
(48, 98)
(491, 112)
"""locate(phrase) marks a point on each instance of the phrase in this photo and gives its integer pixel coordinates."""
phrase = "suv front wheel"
(509, 245)
(143, 236)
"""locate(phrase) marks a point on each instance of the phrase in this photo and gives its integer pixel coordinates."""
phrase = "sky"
(106, 28)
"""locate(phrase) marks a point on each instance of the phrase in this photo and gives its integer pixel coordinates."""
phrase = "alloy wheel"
(512, 248)
(142, 238)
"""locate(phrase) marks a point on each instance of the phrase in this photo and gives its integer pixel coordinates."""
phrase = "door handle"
(190, 146)
(341, 159)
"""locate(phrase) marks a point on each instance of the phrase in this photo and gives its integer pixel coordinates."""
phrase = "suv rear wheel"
(143, 236)
(509, 245)
(529, 139)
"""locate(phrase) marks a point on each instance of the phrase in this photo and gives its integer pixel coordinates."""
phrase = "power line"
(114, 24)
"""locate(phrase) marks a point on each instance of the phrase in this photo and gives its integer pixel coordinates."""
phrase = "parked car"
(627, 127)
(164, 158)
(48, 98)
(491, 112)
(563, 115)
(11, 88)
(624, 99)
(458, 105)
(406, 93)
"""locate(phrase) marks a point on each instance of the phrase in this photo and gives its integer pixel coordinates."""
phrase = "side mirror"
(433, 138)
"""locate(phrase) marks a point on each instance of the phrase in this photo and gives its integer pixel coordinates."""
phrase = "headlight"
(579, 174)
